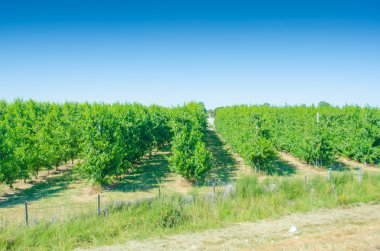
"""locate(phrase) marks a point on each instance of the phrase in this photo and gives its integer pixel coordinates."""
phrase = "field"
(353, 228)
(183, 176)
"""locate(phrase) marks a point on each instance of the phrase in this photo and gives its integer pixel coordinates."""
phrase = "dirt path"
(355, 164)
(309, 169)
(354, 228)
(300, 165)
(224, 159)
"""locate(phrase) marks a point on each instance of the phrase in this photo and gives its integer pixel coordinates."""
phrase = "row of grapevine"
(314, 134)
(106, 139)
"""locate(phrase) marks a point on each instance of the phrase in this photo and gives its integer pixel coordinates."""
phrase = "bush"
(171, 215)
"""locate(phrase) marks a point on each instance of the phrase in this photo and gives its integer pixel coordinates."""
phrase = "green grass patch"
(252, 200)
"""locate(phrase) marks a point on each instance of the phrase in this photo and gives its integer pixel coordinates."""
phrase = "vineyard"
(108, 141)
(317, 135)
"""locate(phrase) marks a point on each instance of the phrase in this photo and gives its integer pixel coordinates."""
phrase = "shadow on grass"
(146, 176)
(224, 166)
(143, 178)
(339, 166)
(283, 168)
(49, 187)
(286, 168)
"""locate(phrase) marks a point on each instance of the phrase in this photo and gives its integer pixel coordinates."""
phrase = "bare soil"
(355, 164)
(223, 150)
(20, 185)
(352, 228)
(299, 164)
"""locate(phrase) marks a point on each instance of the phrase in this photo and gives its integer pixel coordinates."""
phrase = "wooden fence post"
(98, 204)
(159, 188)
(26, 214)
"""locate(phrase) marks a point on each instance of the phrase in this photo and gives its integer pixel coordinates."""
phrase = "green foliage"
(189, 157)
(246, 133)
(107, 140)
(8, 173)
(323, 104)
(170, 213)
(117, 136)
(313, 134)
(249, 187)
(35, 135)
(262, 155)
(103, 146)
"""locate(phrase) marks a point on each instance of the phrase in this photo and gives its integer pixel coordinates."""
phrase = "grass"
(45, 189)
(65, 195)
(252, 200)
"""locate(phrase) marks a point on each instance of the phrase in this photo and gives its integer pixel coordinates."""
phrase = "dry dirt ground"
(355, 164)
(238, 162)
(299, 164)
(19, 185)
(353, 228)
(308, 170)
(62, 194)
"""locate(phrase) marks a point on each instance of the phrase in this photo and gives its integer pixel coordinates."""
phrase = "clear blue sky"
(169, 52)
